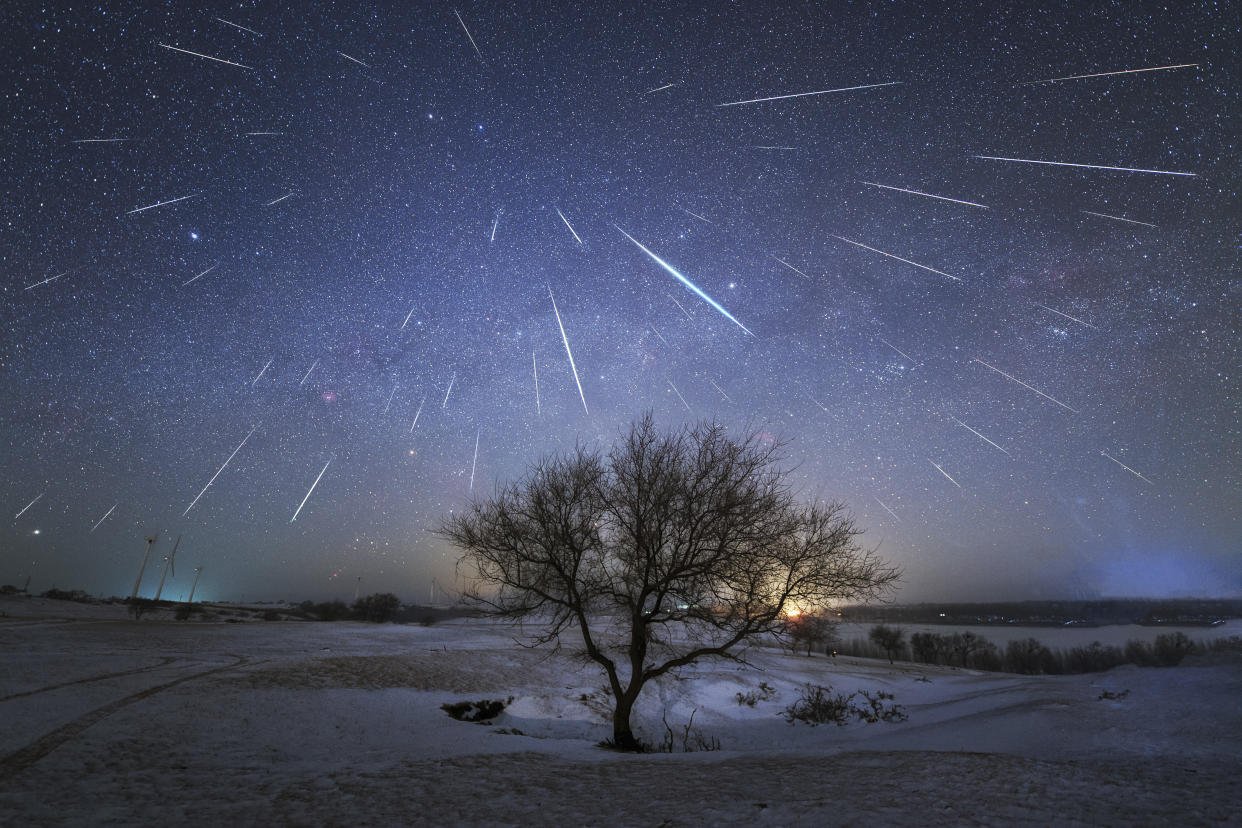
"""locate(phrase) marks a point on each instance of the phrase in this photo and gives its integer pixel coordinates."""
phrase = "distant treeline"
(1179, 612)
(1028, 656)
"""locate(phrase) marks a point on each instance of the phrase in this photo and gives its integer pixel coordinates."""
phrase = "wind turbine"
(198, 570)
(151, 540)
(168, 564)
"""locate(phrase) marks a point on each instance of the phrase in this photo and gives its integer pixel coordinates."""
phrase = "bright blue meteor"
(709, 300)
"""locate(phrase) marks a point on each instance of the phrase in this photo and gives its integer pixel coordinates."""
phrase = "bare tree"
(811, 630)
(890, 639)
(672, 548)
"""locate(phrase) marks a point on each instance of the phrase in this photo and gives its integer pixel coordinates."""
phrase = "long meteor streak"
(308, 493)
(217, 474)
(261, 373)
(472, 43)
(791, 267)
(1109, 74)
(1127, 468)
(945, 473)
(452, 380)
(390, 396)
(1066, 315)
(535, 368)
(567, 224)
(208, 57)
(898, 258)
(44, 282)
(685, 281)
(238, 26)
(926, 195)
(28, 505)
(660, 88)
(680, 397)
(1083, 166)
(407, 317)
(898, 350)
(1119, 218)
(1024, 385)
(565, 339)
(721, 390)
(100, 140)
(977, 434)
(680, 308)
(201, 275)
(277, 200)
(418, 413)
(308, 373)
(808, 94)
(696, 215)
(160, 204)
(475, 463)
(354, 59)
(102, 519)
(890, 511)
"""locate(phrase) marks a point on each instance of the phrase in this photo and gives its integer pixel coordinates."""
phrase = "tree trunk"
(622, 736)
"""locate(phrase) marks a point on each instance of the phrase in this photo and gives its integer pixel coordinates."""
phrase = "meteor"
(1109, 74)
(390, 396)
(696, 215)
(102, 519)
(680, 308)
(475, 463)
(160, 204)
(791, 267)
(1084, 166)
(354, 59)
(721, 390)
(565, 339)
(660, 88)
(662, 339)
(977, 434)
(418, 413)
(817, 403)
(1024, 385)
(1119, 218)
(925, 195)
(308, 493)
(217, 474)
(495, 224)
(898, 258)
(28, 505)
(48, 280)
(265, 133)
(407, 317)
(567, 224)
(1127, 468)
(679, 396)
(207, 57)
(308, 373)
(1066, 315)
(685, 282)
(945, 473)
(898, 350)
(278, 200)
(201, 275)
(261, 373)
(467, 31)
(100, 140)
(452, 380)
(808, 94)
(236, 26)
(890, 511)
(535, 367)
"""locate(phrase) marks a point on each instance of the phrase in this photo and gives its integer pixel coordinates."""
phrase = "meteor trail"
(236, 26)
(1084, 166)
(418, 413)
(1024, 385)
(898, 350)
(100, 140)
(390, 396)
(662, 339)
(567, 224)
(945, 473)
(1066, 315)
(452, 380)
(208, 57)
(898, 258)
(160, 204)
(679, 307)
(565, 339)
(791, 267)
(217, 474)
(474, 464)
(495, 224)
(407, 317)
(680, 397)
(977, 434)
(354, 59)
(201, 275)
(808, 94)
(102, 519)
(1127, 468)
(44, 282)
(308, 493)
(660, 88)
(817, 402)
(28, 505)
(696, 215)
(278, 200)
(721, 390)
(535, 368)
(685, 281)
(890, 511)
(1119, 218)
(926, 195)
(261, 373)
(467, 31)
(1108, 74)
(308, 373)
(769, 147)
(265, 133)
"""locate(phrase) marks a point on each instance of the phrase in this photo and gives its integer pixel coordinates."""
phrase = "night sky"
(336, 218)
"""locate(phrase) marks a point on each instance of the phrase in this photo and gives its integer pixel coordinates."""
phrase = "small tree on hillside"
(890, 639)
(672, 548)
(811, 630)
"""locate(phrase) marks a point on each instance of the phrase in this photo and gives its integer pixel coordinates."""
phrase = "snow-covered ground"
(104, 720)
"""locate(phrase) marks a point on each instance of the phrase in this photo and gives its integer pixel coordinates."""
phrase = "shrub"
(139, 606)
(327, 610)
(476, 711)
(818, 705)
(874, 709)
(1028, 657)
(925, 647)
(378, 608)
(68, 595)
(184, 611)
(691, 740)
(752, 697)
(271, 615)
(1171, 648)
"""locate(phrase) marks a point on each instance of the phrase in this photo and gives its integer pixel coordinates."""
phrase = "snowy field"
(107, 721)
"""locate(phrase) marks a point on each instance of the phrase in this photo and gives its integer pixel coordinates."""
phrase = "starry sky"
(270, 246)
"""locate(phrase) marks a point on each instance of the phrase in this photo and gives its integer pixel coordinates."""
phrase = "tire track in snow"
(164, 663)
(22, 759)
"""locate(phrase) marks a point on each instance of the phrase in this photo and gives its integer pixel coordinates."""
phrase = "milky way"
(299, 224)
